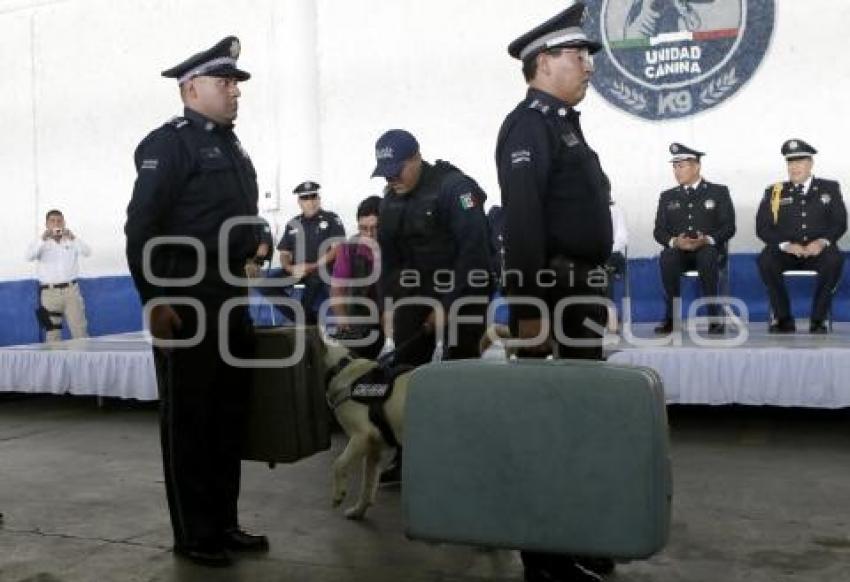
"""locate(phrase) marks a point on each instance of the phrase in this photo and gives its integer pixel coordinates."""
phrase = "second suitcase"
(288, 415)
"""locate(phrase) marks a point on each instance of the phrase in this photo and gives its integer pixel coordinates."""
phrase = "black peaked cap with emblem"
(682, 152)
(218, 61)
(796, 148)
(307, 188)
(562, 30)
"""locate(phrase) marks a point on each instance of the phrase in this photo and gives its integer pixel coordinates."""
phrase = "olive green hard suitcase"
(288, 417)
(559, 456)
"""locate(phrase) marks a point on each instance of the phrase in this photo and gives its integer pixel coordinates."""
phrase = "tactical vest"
(414, 224)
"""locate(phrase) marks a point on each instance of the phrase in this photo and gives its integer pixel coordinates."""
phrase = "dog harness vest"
(372, 389)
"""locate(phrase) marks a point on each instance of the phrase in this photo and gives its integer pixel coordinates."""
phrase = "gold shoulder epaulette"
(775, 197)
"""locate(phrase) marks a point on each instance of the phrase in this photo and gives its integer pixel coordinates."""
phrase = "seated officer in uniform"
(800, 222)
(300, 244)
(693, 223)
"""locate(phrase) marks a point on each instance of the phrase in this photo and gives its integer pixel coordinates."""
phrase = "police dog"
(365, 441)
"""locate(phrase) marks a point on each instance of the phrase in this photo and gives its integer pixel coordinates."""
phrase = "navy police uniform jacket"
(304, 236)
(555, 195)
(439, 226)
(193, 175)
(803, 217)
(708, 210)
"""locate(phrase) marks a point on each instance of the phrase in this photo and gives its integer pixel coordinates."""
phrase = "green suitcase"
(288, 416)
(559, 456)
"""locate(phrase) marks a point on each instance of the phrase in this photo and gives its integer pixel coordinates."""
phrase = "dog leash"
(386, 359)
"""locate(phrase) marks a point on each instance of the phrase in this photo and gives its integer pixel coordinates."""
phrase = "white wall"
(83, 87)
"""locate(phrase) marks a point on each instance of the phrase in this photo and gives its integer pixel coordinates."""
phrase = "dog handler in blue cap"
(434, 243)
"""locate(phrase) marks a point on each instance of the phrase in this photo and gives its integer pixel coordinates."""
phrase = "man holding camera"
(58, 252)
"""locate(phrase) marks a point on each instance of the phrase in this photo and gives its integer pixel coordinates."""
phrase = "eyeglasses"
(583, 54)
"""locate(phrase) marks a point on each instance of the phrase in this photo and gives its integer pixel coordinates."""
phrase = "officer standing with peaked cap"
(193, 176)
(556, 199)
(693, 223)
(800, 222)
(303, 239)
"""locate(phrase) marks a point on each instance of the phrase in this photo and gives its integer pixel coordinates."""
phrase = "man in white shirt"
(57, 252)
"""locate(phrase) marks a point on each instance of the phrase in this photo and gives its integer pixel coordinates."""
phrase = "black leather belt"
(56, 285)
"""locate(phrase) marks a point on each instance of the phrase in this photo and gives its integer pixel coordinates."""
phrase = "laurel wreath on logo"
(719, 87)
(631, 97)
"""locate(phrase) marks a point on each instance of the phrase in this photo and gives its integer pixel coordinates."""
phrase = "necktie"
(689, 191)
(798, 189)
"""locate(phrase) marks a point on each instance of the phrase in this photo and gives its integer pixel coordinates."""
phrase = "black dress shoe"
(212, 556)
(564, 573)
(783, 326)
(601, 566)
(237, 540)
(665, 327)
(716, 328)
(818, 326)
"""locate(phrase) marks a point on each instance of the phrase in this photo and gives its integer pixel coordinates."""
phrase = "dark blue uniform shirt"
(193, 175)
(313, 232)
(803, 216)
(555, 195)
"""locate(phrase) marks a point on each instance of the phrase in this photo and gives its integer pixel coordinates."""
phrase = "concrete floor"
(760, 495)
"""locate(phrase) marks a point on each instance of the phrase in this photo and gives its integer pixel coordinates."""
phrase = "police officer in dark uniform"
(556, 200)
(193, 176)
(433, 237)
(800, 222)
(694, 223)
(301, 242)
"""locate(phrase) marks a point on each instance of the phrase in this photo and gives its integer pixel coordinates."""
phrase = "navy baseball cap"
(391, 151)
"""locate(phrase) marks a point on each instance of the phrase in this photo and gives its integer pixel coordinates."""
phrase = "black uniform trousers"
(202, 413)
(773, 262)
(416, 348)
(674, 262)
(573, 324)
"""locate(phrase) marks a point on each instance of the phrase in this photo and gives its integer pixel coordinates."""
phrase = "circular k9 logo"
(667, 59)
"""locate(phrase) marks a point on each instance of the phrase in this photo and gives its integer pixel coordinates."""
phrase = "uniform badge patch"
(825, 198)
(211, 153)
(520, 157)
(323, 225)
(570, 139)
(150, 164)
(786, 201)
(674, 205)
(467, 201)
(709, 204)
